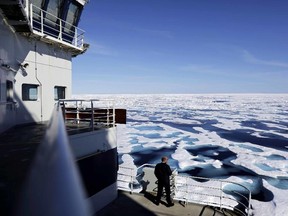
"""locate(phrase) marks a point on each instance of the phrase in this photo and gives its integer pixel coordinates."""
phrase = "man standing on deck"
(163, 172)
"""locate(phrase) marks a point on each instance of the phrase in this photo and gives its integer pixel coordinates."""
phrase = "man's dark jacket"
(162, 172)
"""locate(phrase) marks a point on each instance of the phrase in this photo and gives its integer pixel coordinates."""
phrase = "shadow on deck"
(140, 205)
(18, 147)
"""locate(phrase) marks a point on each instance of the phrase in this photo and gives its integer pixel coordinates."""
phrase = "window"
(73, 13)
(9, 91)
(59, 92)
(54, 7)
(29, 92)
(71, 21)
(38, 3)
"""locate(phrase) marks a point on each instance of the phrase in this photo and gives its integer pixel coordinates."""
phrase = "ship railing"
(213, 192)
(50, 26)
(94, 113)
(128, 177)
(188, 189)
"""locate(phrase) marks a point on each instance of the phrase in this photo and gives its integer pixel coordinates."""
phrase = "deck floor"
(143, 205)
(18, 147)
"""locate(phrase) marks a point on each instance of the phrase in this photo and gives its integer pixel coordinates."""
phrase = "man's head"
(164, 159)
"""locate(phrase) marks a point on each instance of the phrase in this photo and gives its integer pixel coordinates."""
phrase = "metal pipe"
(38, 80)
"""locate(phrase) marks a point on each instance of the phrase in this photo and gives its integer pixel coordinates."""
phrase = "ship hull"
(97, 160)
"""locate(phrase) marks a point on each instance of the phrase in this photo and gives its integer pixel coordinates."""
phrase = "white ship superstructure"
(38, 39)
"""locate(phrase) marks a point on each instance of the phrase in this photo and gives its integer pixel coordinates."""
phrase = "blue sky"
(183, 46)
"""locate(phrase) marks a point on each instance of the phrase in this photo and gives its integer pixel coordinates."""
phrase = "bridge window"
(59, 92)
(54, 7)
(71, 22)
(29, 92)
(72, 14)
(38, 3)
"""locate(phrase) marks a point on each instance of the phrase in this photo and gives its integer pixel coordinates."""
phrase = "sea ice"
(177, 122)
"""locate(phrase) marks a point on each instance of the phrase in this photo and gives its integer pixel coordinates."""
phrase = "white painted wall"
(49, 66)
(84, 144)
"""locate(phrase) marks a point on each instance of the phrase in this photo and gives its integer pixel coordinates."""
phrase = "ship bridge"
(51, 21)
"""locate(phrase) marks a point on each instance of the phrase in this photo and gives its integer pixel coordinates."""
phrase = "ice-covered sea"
(243, 138)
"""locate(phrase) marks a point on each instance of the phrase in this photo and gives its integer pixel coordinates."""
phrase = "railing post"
(249, 203)
(107, 115)
(76, 37)
(77, 113)
(82, 41)
(31, 15)
(42, 22)
(114, 114)
(92, 115)
(60, 30)
(221, 195)
(131, 182)
(187, 191)
(64, 110)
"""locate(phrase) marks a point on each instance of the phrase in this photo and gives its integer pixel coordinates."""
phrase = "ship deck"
(143, 205)
(17, 149)
(18, 146)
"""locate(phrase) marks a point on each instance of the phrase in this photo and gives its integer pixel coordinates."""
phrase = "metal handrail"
(43, 23)
(134, 174)
(87, 107)
(193, 189)
(219, 195)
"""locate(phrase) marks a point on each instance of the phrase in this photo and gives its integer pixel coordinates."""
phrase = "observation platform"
(59, 26)
(143, 205)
